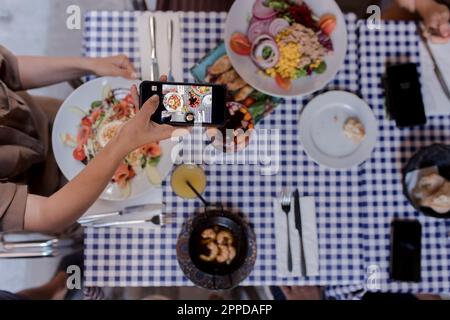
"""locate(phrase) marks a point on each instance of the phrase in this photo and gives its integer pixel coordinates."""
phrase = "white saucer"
(322, 135)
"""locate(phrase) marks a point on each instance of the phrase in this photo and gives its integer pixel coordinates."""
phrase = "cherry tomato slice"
(283, 83)
(240, 44)
(79, 154)
(86, 122)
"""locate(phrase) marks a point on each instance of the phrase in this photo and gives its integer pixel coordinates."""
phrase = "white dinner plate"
(67, 121)
(238, 21)
(322, 135)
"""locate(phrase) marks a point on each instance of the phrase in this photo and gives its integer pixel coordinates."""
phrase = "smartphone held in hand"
(186, 104)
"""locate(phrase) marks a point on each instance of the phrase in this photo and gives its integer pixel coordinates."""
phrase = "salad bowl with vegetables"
(88, 119)
(286, 48)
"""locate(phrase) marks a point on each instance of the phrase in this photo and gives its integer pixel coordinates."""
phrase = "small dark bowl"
(204, 222)
(212, 275)
(434, 155)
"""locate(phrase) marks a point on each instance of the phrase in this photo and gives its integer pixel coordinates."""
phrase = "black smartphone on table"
(406, 236)
(186, 104)
(404, 96)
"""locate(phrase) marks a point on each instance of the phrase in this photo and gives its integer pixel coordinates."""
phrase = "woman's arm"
(62, 209)
(38, 72)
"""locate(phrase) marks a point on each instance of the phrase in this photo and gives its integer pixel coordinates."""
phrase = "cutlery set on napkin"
(296, 236)
(160, 45)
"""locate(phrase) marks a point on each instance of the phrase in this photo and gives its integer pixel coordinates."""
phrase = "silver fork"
(286, 206)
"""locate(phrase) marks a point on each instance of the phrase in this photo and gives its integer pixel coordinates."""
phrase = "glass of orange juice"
(188, 173)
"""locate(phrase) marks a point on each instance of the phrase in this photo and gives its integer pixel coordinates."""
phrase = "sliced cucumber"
(153, 175)
(67, 142)
(126, 191)
(96, 104)
(106, 92)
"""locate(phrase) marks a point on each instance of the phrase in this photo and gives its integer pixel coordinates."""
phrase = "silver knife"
(170, 40)
(122, 223)
(37, 254)
(52, 243)
(154, 74)
(298, 226)
(128, 210)
(436, 68)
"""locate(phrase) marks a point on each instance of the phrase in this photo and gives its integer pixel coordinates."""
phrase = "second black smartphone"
(186, 104)
(406, 236)
(404, 95)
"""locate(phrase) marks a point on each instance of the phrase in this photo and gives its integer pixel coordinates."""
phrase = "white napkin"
(309, 233)
(162, 41)
(435, 100)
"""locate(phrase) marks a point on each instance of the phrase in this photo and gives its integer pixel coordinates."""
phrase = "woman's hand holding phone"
(186, 104)
(141, 130)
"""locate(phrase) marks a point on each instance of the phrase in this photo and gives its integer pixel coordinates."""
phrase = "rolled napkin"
(309, 234)
(435, 100)
(162, 44)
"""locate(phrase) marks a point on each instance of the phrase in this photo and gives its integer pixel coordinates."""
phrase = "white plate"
(67, 121)
(321, 130)
(168, 96)
(238, 21)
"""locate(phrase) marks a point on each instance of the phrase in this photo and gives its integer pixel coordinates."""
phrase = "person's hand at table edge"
(302, 292)
(116, 66)
(37, 72)
(436, 18)
(62, 209)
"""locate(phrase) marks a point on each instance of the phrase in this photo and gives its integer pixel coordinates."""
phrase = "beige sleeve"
(13, 200)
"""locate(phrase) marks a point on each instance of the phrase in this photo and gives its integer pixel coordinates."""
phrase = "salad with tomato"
(286, 40)
(100, 124)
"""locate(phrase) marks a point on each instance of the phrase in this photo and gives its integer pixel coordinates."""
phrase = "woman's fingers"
(135, 96)
(444, 26)
(125, 64)
(439, 40)
(166, 129)
(287, 291)
(150, 106)
(438, 21)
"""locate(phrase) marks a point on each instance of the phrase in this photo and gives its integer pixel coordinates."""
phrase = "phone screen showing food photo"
(187, 104)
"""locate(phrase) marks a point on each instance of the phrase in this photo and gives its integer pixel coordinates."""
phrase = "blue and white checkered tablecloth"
(398, 42)
(395, 42)
(354, 208)
(134, 258)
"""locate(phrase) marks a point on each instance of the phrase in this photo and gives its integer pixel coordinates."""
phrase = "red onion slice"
(261, 44)
(256, 29)
(260, 11)
(278, 25)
